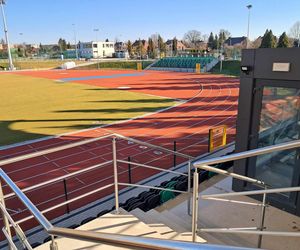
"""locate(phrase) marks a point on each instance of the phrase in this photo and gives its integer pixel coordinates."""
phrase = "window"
(103, 45)
(95, 45)
(107, 45)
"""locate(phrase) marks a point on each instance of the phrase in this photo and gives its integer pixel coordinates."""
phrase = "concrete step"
(123, 223)
(158, 222)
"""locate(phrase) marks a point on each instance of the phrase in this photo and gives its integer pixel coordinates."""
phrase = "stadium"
(150, 144)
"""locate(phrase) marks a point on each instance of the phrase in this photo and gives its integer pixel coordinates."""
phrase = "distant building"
(236, 42)
(180, 45)
(96, 49)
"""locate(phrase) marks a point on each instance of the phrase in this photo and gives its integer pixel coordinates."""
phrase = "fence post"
(129, 170)
(195, 205)
(174, 155)
(114, 148)
(189, 188)
(66, 196)
(5, 220)
(262, 218)
(53, 244)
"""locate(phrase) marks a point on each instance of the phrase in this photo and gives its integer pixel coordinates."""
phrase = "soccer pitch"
(32, 108)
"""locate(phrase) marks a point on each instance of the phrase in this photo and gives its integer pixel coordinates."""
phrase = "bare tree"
(193, 38)
(227, 34)
(295, 32)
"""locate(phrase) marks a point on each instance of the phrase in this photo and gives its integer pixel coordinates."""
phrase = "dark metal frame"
(259, 74)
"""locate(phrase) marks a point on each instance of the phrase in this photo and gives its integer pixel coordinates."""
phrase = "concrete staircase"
(137, 223)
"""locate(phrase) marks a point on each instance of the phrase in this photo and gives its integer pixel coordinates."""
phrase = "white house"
(96, 49)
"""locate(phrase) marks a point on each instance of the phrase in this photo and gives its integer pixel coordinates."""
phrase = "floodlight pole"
(248, 29)
(75, 40)
(11, 66)
(97, 30)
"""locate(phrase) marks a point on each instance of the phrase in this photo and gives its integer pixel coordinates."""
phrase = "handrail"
(249, 153)
(153, 146)
(135, 241)
(254, 192)
(151, 167)
(60, 178)
(51, 150)
(76, 144)
(233, 175)
(203, 164)
(67, 202)
(24, 199)
(112, 239)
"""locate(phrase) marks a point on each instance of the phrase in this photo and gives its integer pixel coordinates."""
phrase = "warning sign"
(217, 138)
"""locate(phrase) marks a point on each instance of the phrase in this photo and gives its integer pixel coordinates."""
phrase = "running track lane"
(211, 100)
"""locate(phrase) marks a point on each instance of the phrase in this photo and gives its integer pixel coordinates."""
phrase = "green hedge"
(232, 68)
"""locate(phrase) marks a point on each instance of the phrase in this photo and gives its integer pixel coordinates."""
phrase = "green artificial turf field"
(33, 107)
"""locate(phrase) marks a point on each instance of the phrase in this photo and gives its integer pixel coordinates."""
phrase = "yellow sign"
(139, 66)
(217, 137)
(198, 68)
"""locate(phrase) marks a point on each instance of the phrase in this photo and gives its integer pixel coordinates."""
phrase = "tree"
(192, 38)
(161, 45)
(223, 36)
(68, 45)
(268, 40)
(150, 48)
(129, 47)
(211, 40)
(174, 46)
(62, 44)
(215, 42)
(283, 41)
(295, 33)
(106, 40)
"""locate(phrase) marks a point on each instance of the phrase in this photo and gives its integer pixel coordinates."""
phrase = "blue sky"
(47, 20)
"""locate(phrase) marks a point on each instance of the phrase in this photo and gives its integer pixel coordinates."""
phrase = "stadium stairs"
(184, 64)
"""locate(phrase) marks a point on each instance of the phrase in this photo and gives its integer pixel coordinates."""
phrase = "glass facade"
(279, 122)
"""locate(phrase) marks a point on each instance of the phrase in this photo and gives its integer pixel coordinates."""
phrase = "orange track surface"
(209, 100)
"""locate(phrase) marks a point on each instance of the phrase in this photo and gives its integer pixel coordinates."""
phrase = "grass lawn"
(32, 107)
(36, 64)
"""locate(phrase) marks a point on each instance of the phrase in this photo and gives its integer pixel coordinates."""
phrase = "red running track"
(206, 101)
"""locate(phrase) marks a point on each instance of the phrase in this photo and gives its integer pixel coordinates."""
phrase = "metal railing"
(8, 221)
(204, 165)
(146, 243)
(112, 239)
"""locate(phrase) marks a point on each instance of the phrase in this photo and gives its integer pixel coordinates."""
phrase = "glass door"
(277, 120)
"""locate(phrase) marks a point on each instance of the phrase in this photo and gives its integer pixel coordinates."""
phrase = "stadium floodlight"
(11, 66)
(96, 30)
(75, 41)
(248, 29)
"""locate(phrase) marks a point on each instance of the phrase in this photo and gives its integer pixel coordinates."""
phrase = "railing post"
(195, 205)
(53, 244)
(129, 170)
(262, 218)
(66, 196)
(5, 220)
(174, 155)
(189, 188)
(114, 148)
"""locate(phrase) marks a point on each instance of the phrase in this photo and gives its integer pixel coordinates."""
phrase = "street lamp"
(74, 30)
(248, 30)
(11, 66)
